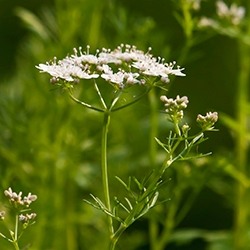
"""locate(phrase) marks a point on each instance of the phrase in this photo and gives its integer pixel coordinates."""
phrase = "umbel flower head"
(17, 200)
(233, 15)
(27, 219)
(207, 122)
(175, 107)
(123, 66)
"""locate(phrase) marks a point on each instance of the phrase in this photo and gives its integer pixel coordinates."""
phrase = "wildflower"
(25, 218)
(27, 200)
(121, 78)
(152, 67)
(122, 66)
(185, 128)
(207, 122)
(17, 200)
(129, 53)
(67, 69)
(13, 196)
(207, 22)
(174, 107)
(234, 13)
(195, 4)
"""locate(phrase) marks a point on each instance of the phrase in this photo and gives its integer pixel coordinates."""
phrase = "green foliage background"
(51, 146)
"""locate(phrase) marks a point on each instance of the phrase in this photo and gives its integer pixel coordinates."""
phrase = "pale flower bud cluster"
(20, 204)
(123, 66)
(175, 107)
(233, 14)
(207, 122)
(185, 128)
(195, 4)
(17, 200)
(27, 218)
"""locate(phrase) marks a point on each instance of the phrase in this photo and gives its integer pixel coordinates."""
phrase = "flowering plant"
(124, 67)
(20, 206)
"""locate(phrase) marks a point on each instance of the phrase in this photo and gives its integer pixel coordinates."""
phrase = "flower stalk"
(123, 68)
(20, 206)
(241, 238)
(105, 180)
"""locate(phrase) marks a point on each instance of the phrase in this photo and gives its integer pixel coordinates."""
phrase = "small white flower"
(127, 53)
(105, 69)
(206, 22)
(175, 107)
(151, 67)
(131, 78)
(116, 78)
(195, 4)
(170, 69)
(27, 200)
(66, 70)
(107, 58)
(222, 9)
(89, 59)
(25, 218)
(206, 122)
(61, 71)
(123, 65)
(233, 13)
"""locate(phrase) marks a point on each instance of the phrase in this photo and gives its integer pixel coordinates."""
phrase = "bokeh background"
(51, 147)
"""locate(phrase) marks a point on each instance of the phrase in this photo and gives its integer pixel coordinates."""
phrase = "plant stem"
(105, 181)
(16, 245)
(84, 104)
(116, 236)
(16, 228)
(153, 228)
(188, 20)
(15, 238)
(242, 215)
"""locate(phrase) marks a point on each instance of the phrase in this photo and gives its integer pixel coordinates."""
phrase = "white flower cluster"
(125, 65)
(26, 218)
(195, 4)
(207, 122)
(175, 107)
(17, 198)
(233, 14)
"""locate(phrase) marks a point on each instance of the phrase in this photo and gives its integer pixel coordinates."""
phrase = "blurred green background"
(51, 147)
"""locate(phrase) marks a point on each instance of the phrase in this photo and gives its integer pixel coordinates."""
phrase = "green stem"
(153, 229)
(105, 181)
(136, 213)
(188, 20)
(116, 236)
(16, 245)
(15, 238)
(242, 215)
(84, 104)
(16, 228)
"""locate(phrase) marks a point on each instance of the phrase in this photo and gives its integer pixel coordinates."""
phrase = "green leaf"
(121, 205)
(162, 145)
